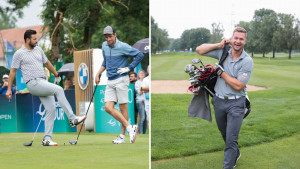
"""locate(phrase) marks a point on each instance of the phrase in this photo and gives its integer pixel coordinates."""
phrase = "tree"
(217, 33)
(73, 24)
(264, 26)
(175, 46)
(193, 38)
(13, 6)
(289, 32)
(250, 45)
(159, 37)
(7, 21)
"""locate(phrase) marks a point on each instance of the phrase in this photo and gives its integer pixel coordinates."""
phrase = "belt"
(228, 98)
(35, 79)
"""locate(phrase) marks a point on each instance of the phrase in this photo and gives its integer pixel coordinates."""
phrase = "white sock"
(122, 136)
(128, 128)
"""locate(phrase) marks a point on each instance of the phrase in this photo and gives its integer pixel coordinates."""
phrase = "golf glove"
(123, 70)
(219, 69)
(57, 80)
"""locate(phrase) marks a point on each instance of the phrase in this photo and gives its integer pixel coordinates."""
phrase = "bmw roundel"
(83, 76)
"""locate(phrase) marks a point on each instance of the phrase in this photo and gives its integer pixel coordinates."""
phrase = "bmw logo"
(83, 76)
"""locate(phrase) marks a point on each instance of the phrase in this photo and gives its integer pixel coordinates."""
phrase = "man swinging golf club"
(115, 54)
(30, 59)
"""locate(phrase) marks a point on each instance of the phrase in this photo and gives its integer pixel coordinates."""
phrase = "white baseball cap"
(5, 76)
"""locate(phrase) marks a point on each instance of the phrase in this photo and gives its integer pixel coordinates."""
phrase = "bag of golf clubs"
(205, 77)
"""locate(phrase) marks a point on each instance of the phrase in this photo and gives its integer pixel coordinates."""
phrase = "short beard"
(32, 45)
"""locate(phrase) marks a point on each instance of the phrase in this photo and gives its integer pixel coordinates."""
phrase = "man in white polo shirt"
(30, 59)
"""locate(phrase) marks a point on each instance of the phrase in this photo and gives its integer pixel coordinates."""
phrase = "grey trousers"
(229, 116)
(46, 92)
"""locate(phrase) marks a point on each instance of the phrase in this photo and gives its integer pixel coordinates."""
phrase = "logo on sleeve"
(244, 75)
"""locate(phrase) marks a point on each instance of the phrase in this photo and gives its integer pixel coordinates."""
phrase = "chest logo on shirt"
(83, 76)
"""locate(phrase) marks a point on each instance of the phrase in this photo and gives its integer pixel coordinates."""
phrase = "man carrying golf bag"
(115, 54)
(229, 99)
(30, 59)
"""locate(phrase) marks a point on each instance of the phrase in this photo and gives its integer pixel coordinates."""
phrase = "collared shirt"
(240, 68)
(30, 62)
(117, 56)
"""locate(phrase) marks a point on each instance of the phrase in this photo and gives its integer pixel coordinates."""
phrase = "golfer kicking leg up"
(30, 59)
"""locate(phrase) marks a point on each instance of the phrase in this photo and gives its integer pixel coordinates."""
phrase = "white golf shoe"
(48, 143)
(132, 131)
(77, 120)
(119, 140)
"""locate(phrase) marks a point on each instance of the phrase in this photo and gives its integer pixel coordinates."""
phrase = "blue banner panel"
(7, 114)
(104, 122)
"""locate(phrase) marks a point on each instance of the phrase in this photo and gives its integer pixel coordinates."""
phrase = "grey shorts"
(117, 90)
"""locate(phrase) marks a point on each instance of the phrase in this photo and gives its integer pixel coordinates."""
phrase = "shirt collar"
(243, 55)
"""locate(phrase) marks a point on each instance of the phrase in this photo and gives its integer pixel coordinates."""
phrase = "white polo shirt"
(30, 62)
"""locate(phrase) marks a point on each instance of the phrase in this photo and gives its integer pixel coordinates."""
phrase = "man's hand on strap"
(219, 69)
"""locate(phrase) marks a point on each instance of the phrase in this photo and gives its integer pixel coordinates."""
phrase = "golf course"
(269, 137)
(91, 151)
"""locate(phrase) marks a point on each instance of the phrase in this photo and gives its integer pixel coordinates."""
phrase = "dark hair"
(133, 73)
(28, 34)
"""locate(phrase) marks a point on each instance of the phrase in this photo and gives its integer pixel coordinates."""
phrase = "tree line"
(78, 25)
(268, 31)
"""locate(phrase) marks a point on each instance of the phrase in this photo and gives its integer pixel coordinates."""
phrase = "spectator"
(145, 89)
(140, 99)
(132, 80)
(132, 77)
(68, 84)
(4, 86)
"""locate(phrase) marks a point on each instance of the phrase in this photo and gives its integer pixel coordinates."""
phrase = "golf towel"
(200, 107)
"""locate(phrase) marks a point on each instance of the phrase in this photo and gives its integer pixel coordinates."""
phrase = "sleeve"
(245, 71)
(137, 87)
(16, 61)
(12, 90)
(132, 52)
(104, 58)
(44, 57)
(1, 89)
(217, 54)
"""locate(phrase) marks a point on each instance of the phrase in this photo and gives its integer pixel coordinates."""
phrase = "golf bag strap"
(224, 54)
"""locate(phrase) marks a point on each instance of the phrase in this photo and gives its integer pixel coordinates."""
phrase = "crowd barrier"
(23, 112)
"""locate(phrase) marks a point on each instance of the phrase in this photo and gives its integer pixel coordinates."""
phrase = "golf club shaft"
(87, 111)
(37, 129)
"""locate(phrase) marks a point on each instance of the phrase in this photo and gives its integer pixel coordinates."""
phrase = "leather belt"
(35, 79)
(228, 98)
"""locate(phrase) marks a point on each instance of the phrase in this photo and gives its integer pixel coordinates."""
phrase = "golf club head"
(195, 61)
(28, 144)
(73, 142)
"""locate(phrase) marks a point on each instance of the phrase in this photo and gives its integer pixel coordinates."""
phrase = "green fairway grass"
(92, 151)
(275, 112)
(282, 153)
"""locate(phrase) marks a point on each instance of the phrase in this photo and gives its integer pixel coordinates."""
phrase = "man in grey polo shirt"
(30, 59)
(229, 100)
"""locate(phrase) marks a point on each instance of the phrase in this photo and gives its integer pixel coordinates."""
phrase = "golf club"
(30, 143)
(73, 142)
(195, 61)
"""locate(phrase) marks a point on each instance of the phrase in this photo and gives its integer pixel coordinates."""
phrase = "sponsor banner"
(7, 115)
(104, 122)
(30, 111)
